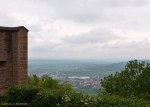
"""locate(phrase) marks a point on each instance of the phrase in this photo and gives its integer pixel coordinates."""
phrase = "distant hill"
(74, 67)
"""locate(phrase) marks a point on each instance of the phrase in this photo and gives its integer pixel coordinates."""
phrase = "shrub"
(36, 97)
(2, 99)
(22, 94)
(46, 82)
(56, 98)
(61, 95)
(46, 99)
(117, 101)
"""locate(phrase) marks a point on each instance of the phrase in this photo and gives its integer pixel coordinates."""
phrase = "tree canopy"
(134, 80)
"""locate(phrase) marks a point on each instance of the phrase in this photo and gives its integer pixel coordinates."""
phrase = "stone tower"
(13, 57)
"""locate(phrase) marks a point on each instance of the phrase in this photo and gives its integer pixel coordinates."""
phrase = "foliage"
(117, 101)
(22, 94)
(56, 98)
(142, 88)
(38, 93)
(59, 99)
(27, 93)
(47, 82)
(52, 99)
(2, 99)
(132, 81)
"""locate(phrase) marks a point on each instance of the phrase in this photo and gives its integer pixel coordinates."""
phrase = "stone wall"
(13, 57)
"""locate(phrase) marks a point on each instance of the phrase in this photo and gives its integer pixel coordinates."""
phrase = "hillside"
(73, 67)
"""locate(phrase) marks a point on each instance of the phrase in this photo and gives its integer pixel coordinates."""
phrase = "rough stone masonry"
(13, 57)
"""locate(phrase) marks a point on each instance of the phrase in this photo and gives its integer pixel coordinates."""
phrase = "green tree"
(127, 82)
(33, 80)
(143, 83)
(46, 82)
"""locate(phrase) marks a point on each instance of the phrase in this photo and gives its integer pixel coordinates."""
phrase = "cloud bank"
(82, 29)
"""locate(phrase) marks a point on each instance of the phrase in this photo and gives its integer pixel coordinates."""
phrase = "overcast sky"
(82, 29)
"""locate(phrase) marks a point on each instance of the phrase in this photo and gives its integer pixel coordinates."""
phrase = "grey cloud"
(92, 3)
(35, 28)
(6, 19)
(94, 36)
(143, 45)
(121, 16)
(42, 47)
(133, 49)
(78, 10)
(93, 10)
(82, 11)
(115, 3)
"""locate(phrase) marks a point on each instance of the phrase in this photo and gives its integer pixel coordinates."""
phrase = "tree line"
(133, 81)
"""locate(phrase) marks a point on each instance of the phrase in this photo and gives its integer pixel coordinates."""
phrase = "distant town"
(81, 81)
(84, 76)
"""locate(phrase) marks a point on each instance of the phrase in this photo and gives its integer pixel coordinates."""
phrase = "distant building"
(13, 57)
